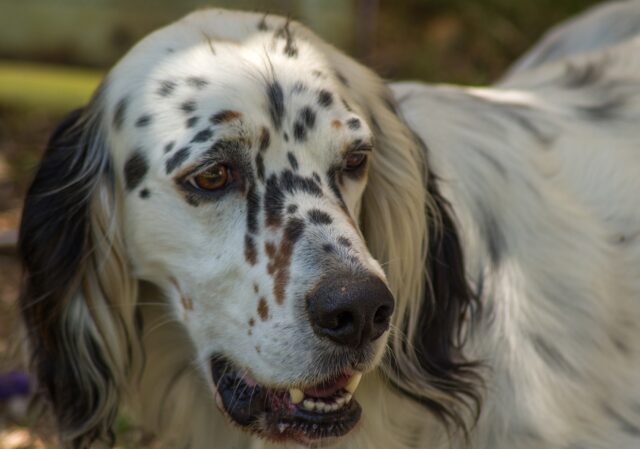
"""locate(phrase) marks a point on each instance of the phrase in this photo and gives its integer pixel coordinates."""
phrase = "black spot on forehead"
(286, 136)
(353, 123)
(325, 98)
(144, 193)
(253, 208)
(316, 216)
(308, 116)
(120, 113)
(135, 169)
(317, 178)
(192, 121)
(294, 229)
(344, 241)
(168, 147)
(275, 97)
(293, 183)
(197, 82)
(144, 120)
(177, 159)
(202, 136)
(188, 106)
(306, 120)
(274, 198)
(166, 88)
(292, 209)
(292, 161)
(328, 248)
(265, 139)
(299, 131)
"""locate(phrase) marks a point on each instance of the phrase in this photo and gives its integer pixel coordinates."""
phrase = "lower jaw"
(270, 414)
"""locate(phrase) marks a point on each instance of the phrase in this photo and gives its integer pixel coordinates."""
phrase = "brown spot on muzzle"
(263, 309)
(280, 259)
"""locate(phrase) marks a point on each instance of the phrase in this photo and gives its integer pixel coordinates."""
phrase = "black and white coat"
(521, 200)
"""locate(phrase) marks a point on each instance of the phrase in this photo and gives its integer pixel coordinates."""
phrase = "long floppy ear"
(411, 230)
(77, 298)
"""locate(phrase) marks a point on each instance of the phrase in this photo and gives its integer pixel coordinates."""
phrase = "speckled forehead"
(187, 94)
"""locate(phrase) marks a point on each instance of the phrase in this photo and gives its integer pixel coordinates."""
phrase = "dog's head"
(231, 172)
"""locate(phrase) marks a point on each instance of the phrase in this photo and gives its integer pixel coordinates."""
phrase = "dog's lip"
(325, 412)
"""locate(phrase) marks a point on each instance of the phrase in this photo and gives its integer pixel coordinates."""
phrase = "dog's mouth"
(308, 415)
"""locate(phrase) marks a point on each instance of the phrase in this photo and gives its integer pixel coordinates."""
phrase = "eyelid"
(198, 168)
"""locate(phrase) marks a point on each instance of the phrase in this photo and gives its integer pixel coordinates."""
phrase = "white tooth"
(296, 395)
(282, 427)
(334, 407)
(347, 398)
(341, 401)
(352, 386)
(326, 408)
(309, 404)
(219, 402)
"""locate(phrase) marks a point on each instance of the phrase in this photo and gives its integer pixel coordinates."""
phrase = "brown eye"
(213, 178)
(354, 161)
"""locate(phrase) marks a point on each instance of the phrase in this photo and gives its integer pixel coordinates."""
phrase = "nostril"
(342, 320)
(382, 315)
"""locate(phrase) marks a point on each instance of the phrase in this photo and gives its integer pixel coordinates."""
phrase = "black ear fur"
(450, 306)
(54, 241)
(439, 345)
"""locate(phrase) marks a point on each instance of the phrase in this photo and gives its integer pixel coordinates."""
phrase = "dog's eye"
(213, 178)
(354, 161)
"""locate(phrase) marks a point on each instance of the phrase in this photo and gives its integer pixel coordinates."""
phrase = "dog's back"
(543, 171)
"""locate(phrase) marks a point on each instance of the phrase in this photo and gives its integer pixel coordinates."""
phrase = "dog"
(250, 240)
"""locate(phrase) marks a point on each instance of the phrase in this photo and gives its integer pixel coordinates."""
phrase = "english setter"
(252, 241)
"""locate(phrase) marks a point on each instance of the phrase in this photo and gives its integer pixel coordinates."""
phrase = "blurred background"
(53, 54)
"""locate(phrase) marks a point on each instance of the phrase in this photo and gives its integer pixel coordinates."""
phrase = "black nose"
(350, 310)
